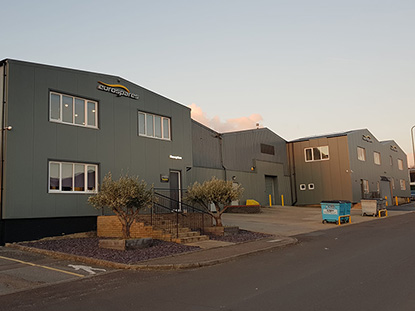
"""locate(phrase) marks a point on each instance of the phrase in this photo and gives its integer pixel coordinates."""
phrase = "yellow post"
(386, 198)
(396, 200)
(282, 200)
(270, 200)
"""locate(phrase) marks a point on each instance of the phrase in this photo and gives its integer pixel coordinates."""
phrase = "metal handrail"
(164, 216)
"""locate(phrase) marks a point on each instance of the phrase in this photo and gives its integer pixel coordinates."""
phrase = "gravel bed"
(88, 247)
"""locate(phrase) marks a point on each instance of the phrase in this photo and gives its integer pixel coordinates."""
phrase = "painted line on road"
(40, 266)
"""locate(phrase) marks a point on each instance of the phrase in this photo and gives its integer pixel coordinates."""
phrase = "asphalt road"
(366, 266)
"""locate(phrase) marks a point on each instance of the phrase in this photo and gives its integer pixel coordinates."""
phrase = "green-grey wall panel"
(115, 146)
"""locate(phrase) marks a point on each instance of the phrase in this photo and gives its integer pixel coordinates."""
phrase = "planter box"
(123, 245)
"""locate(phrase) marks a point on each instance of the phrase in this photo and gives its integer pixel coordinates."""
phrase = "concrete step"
(192, 239)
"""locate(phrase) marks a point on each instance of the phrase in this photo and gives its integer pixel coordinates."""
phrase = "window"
(365, 184)
(316, 153)
(390, 160)
(303, 187)
(403, 184)
(376, 157)
(400, 164)
(153, 126)
(268, 149)
(66, 177)
(310, 186)
(73, 110)
(361, 154)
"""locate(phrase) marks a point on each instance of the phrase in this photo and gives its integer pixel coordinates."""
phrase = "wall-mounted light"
(252, 168)
(8, 128)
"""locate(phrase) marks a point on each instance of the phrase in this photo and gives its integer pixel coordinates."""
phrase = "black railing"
(172, 215)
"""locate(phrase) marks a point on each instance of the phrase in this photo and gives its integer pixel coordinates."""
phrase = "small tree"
(217, 191)
(125, 197)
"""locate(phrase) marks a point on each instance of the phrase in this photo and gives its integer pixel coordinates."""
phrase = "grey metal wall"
(243, 161)
(331, 178)
(372, 172)
(115, 146)
(240, 148)
(206, 143)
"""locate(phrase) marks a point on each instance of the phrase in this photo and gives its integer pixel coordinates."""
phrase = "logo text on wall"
(117, 89)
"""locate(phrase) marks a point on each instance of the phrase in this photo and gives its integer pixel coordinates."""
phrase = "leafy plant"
(217, 191)
(125, 197)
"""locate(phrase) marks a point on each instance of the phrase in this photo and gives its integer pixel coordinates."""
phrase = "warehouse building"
(256, 159)
(68, 128)
(351, 166)
(65, 129)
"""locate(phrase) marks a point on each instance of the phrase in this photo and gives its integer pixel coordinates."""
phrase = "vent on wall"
(268, 149)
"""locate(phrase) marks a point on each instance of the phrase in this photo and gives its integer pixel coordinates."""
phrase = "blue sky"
(300, 67)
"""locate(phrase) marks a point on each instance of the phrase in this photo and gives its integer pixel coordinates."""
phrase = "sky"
(297, 67)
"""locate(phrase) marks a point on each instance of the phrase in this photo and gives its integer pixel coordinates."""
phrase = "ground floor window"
(66, 177)
(365, 184)
(403, 184)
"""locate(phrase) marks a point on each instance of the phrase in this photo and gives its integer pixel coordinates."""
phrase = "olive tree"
(125, 197)
(217, 191)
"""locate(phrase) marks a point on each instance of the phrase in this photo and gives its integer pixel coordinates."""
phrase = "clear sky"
(300, 68)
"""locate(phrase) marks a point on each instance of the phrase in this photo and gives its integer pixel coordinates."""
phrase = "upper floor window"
(151, 125)
(361, 154)
(66, 177)
(400, 164)
(268, 149)
(376, 157)
(73, 110)
(316, 153)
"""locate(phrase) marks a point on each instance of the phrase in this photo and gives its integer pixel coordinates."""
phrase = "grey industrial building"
(68, 128)
(64, 129)
(257, 159)
(347, 166)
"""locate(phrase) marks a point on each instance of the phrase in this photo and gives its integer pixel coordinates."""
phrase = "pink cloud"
(243, 123)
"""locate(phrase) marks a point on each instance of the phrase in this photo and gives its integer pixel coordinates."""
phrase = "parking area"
(294, 220)
(24, 270)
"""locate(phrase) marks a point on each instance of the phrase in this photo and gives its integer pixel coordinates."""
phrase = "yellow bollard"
(396, 200)
(270, 200)
(282, 200)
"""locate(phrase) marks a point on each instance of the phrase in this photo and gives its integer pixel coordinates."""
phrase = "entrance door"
(385, 191)
(271, 189)
(175, 190)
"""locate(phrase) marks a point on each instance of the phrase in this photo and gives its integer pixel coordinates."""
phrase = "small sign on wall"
(164, 178)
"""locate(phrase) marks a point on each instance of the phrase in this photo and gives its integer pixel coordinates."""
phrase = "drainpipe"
(2, 147)
(293, 181)
(219, 136)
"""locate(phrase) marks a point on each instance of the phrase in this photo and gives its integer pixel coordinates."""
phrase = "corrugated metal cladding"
(239, 156)
(240, 148)
(368, 170)
(206, 145)
(340, 177)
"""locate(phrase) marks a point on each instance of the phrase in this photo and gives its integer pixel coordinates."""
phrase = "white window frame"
(74, 98)
(376, 158)
(73, 177)
(400, 164)
(311, 186)
(303, 187)
(361, 154)
(312, 154)
(154, 125)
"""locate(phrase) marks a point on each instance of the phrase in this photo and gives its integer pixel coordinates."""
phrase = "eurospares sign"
(117, 89)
